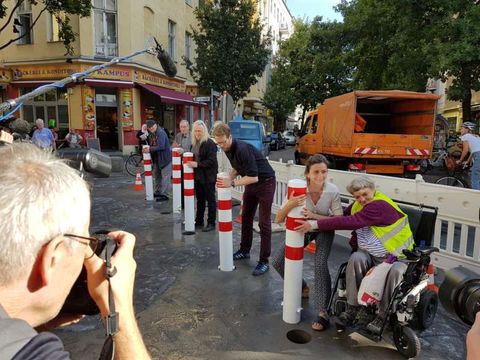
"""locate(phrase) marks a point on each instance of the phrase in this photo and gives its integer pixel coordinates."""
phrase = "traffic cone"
(238, 219)
(431, 281)
(311, 247)
(138, 182)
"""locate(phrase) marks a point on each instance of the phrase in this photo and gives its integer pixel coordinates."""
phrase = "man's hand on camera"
(473, 340)
(59, 321)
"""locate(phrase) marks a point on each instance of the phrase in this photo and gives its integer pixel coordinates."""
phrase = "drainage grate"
(299, 336)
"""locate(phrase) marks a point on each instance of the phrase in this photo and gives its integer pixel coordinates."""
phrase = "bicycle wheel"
(450, 181)
(133, 164)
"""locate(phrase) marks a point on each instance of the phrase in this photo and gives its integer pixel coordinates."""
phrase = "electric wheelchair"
(413, 304)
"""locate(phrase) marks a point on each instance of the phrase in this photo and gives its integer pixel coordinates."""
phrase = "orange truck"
(382, 132)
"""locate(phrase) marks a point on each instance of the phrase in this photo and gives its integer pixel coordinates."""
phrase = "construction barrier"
(138, 182)
(292, 285)
(431, 280)
(147, 165)
(188, 194)
(177, 180)
(225, 226)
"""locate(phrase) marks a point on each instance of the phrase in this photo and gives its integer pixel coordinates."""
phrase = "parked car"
(289, 137)
(277, 141)
(252, 132)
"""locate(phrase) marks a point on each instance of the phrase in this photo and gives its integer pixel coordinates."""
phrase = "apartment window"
(54, 27)
(171, 39)
(105, 22)
(24, 14)
(188, 46)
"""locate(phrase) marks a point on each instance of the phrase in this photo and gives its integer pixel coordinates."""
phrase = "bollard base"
(233, 268)
(188, 232)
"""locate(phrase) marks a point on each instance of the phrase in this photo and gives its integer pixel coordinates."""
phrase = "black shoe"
(157, 194)
(209, 227)
(162, 198)
(241, 255)
(260, 269)
(198, 226)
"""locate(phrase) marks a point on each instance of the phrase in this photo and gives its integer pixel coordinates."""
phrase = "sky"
(311, 8)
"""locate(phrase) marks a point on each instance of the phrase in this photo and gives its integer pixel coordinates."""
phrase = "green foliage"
(61, 9)
(231, 51)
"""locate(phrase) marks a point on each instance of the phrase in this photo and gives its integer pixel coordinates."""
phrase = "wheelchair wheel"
(406, 341)
(426, 309)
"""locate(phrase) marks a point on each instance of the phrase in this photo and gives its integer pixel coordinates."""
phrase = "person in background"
(42, 137)
(258, 177)
(54, 133)
(206, 168)
(159, 148)
(381, 232)
(321, 201)
(183, 139)
(73, 139)
(471, 143)
(142, 136)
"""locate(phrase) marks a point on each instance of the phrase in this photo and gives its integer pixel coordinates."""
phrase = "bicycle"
(134, 163)
(459, 178)
(442, 160)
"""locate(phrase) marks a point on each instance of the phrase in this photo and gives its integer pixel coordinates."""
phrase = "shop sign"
(126, 108)
(46, 72)
(144, 77)
(88, 108)
(5, 76)
(119, 73)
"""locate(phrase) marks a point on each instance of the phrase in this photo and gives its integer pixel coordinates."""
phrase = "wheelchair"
(413, 305)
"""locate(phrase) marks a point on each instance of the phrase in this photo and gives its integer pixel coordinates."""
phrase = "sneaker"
(198, 226)
(241, 255)
(260, 269)
(162, 198)
(375, 326)
(209, 227)
(157, 194)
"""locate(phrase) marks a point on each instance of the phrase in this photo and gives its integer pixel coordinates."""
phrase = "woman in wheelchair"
(380, 233)
(322, 200)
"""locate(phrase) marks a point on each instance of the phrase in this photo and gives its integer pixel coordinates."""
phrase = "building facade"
(111, 104)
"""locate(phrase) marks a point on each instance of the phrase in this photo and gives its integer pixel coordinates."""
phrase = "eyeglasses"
(92, 242)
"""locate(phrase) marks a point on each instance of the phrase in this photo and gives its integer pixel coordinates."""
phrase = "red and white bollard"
(225, 226)
(292, 285)
(188, 194)
(147, 166)
(177, 180)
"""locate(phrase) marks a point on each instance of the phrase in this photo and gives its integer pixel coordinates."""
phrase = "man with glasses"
(258, 177)
(44, 245)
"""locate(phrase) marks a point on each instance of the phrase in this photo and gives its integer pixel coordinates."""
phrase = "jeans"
(259, 194)
(162, 178)
(476, 171)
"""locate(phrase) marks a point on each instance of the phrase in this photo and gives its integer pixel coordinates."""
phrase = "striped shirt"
(369, 242)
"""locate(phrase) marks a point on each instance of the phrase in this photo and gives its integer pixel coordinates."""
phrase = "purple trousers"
(259, 194)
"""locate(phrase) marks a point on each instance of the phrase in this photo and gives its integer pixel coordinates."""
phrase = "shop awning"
(171, 96)
(109, 83)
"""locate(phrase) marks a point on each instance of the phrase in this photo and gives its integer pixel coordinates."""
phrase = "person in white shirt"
(471, 143)
(74, 139)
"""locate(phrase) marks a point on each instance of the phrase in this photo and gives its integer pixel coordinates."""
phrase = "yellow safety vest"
(395, 237)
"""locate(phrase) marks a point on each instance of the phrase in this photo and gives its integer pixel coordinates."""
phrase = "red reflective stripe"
(176, 167)
(293, 253)
(188, 192)
(224, 204)
(225, 226)
(187, 158)
(188, 176)
(298, 191)
(147, 162)
(176, 181)
(291, 224)
(148, 173)
(176, 154)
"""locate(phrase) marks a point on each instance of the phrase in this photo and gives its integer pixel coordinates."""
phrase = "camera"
(79, 300)
(460, 293)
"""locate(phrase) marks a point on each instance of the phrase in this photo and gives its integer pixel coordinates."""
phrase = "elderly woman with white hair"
(381, 232)
(206, 168)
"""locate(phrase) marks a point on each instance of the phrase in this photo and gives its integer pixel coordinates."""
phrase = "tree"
(231, 51)
(61, 9)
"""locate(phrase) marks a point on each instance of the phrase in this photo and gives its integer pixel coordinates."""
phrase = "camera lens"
(460, 293)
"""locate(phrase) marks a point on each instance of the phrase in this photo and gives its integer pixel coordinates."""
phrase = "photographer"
(40, 257)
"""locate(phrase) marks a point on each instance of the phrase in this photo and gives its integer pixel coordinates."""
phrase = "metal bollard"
(177, 180)
(147, 165)
(292, 285)
(189, 195)
(225, 226)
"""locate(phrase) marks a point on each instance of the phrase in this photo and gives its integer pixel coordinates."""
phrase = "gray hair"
(205, 135)
(184, 122)
(360, 183)
(41, 197)
(39, 121)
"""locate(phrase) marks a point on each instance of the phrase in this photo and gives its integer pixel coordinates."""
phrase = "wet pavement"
(188, 309)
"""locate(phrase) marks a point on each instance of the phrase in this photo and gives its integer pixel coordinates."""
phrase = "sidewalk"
(188, 309)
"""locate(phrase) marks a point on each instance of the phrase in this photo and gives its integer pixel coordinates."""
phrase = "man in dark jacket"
(161, 159)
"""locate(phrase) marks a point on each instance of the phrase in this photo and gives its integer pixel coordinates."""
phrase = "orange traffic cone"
(431, 281)
(138, 182)
(238, 219)
(311, 247)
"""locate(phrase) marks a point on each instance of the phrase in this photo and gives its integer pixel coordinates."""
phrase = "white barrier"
(225, 226)
(176, 181)
(457, 230)
(188, 194)
(147, 166)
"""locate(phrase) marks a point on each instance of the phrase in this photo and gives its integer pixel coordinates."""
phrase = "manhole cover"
(299, 336)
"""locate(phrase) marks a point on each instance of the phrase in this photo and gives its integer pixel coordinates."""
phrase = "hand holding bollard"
(292, 286)
(188, 192)
(225, 226)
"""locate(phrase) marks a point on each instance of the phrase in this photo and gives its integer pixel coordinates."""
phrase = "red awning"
(171, 96)
(109, 83)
